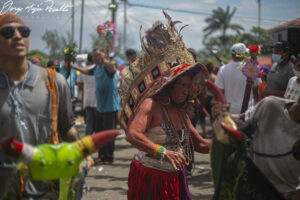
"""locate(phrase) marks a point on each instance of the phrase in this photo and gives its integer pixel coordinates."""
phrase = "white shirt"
(276, 134)
(231, 79)
(89, 97)
(292, 91)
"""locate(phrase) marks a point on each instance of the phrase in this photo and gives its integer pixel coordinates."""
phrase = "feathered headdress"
(164, 57)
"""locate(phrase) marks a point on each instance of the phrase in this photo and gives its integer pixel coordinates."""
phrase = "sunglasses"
(9, 31)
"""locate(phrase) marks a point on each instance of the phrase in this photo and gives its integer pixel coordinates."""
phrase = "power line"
(198, 12)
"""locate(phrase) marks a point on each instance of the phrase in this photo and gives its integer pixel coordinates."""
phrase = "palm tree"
(220, 21)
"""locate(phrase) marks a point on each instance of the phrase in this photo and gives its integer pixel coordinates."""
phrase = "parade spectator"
(130, 55)
(211, 68)
(206, 111)
(281, 70)
(278, 124)
(264, 74)
(53, 64)
(232, 82)
(107, 98)
(71, 77)
(26, 108)
(293, 89)
(36, 61)
(86, 85)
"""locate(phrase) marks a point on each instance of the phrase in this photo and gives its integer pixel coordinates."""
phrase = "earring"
(165, 104)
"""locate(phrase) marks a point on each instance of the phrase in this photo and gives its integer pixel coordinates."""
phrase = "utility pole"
(125, 26)
(81, 25)
(113, 7)
(73, 19)
(113, 12)
(258, 2)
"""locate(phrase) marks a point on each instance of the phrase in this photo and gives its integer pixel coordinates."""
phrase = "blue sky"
(39, 15)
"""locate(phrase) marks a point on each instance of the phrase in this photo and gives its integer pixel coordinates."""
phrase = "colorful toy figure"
(108, 30)
(234, 175)
(251, 69)
(223, 117)
(50, 162)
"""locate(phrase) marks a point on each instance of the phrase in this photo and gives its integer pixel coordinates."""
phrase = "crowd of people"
(159, 99)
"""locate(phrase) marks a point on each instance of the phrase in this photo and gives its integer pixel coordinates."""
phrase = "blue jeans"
(106, 121)
(90, 120)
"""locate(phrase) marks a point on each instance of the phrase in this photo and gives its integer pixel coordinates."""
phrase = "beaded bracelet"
(163, 155)
(159, 152)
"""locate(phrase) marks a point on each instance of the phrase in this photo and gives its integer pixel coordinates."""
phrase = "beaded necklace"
(186, 137)
(17, 102)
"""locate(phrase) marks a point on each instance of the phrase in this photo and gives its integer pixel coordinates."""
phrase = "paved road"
(109, 182)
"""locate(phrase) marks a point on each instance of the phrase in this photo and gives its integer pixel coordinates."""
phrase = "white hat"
(239, 48)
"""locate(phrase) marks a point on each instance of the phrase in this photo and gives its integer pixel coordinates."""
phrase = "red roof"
(263, 61)
(291, 24)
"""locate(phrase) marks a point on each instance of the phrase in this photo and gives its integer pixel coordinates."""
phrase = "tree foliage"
(220, 21)
(56, 43)
(256, 36)
(43, 57)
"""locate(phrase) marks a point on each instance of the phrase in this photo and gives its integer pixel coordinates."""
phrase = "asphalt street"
(109, 182)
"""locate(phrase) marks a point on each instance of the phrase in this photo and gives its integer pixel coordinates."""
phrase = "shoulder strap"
(50, 73)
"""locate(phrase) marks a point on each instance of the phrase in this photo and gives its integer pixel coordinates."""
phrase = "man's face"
(297, 65)
(131, 59)
(181, 89)
(284, 54)
(98, 56)
(15, 46)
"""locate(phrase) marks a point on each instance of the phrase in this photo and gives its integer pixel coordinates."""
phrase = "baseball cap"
(239, 48)
(283, 45)
(35, 60)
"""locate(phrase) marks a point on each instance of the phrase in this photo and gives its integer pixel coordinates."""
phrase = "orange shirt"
(261, 87)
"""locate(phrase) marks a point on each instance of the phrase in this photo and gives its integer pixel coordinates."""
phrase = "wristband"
(159, 152)
(157, 147)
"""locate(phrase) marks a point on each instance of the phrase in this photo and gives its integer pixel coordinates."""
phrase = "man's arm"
(110, 66)
(255, 94)
(80, 92)
(71, 135)
(81, 69)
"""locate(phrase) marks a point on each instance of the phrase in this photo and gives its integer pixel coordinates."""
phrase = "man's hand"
(218, 108)
(90, 161)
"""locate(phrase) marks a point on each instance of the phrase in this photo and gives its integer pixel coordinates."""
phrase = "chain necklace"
(17, 102)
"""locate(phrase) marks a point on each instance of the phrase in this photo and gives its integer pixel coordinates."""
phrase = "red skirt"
(147, 183)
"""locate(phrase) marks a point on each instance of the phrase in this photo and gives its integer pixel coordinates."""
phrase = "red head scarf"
(10, 18)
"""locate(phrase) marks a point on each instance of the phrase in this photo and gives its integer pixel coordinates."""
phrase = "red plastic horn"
(11, 147)
(217, 93)
(103, 137)
(234, 135)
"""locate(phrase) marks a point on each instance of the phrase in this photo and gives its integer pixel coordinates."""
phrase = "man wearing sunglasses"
(26, 107)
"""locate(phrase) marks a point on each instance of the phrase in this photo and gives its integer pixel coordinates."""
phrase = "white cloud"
(209, 1)
(96, 12)
(248, 5)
